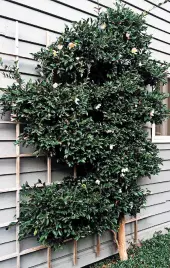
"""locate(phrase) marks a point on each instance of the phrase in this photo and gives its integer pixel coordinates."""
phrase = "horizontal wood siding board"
(157, 198)
(155, 210)
(150, 221)
(7, 248)
(23, 73)
(29, 24)
(76, 8)
(158, 187)
(27, 32)
(7, 200)
(7, 215)
(7, 236)
(51, 8)
(163, 176)
(38, 10)
(149, 232)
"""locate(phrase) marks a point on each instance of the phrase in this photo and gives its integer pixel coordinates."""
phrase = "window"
(161, 133)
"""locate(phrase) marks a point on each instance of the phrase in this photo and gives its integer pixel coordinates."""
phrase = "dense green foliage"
(88, 111)
(154, 253)
(73, 209)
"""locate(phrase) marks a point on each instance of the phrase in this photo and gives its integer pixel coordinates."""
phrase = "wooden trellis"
(17, 188)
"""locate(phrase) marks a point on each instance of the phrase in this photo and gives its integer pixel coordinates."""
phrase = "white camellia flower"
(111, 146)
(98, 106)
(124, 170)
(55, 85)
(134, 50)
(152, 113)
(120, 191)
(102, 26)
(77, 101)
(77, 58)
(60, 47)
(140, 64)
(109, 131)
(131, 205)
(97, 182)
(71, 45)
(128, 36)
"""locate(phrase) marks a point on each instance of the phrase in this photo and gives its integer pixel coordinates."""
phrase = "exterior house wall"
(41, 22)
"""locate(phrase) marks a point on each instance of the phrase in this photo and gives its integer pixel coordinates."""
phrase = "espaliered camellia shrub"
(88, 110)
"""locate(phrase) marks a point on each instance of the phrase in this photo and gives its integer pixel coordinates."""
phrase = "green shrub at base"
(153, 253)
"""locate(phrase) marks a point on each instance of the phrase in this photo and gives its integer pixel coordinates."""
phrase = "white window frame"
(161, 138)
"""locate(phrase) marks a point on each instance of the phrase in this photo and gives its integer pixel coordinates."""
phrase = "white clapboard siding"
(37, 19)
(21, 13)
(57, 10)
(166, 6)
(27, 32)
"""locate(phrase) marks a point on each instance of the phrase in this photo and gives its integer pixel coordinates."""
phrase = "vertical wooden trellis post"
(17, 158)
(98, 246)
(49, 181)
(75, 242)
(75, 253)
(136, 231)
(48, 173)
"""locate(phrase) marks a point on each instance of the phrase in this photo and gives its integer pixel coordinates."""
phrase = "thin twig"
(145, 13)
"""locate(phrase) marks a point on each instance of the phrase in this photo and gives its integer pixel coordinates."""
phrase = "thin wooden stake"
(17, 194)
(75, 242)
(136, 232)
(47, 39)
(75, 253)
(49, 170)
(49, 257)
(48, 174)
(98, 246)
(49, 181)
(17, 159)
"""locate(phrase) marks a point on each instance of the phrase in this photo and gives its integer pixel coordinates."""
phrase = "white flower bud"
(98, 106)
(55, 85)
(111, 146)
(97, 182)
(152, 113)
(77, 101)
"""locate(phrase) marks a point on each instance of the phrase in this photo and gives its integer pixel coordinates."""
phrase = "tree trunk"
(122, 239)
